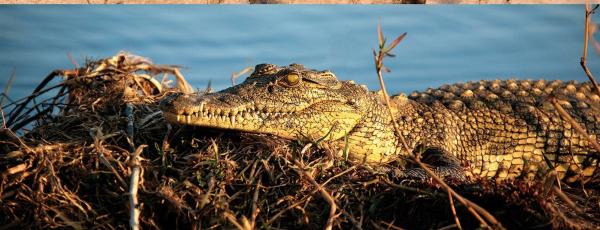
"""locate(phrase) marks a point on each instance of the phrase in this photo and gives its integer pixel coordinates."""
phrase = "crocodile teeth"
(232, 116)
(188, 111)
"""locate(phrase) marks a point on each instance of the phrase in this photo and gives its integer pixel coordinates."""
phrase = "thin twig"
(130, 125)
(24, 121)
(330, 200)
(452, 226)
(580, 130)
(15, 169)
(384, 52)
(391, 225)
(134, 212)
(340, 174)
(182, 84)
(280, 213)
(566, 199)
(36, 94)
(234, 76)
(475, 209)
(472, 207)
(233, 220)
(98, 136)
(8, 86)
(22, 105)
(454, 212)
(301, 170)
(3, 117)
(134, 164)
(588, 73)
(255, 209)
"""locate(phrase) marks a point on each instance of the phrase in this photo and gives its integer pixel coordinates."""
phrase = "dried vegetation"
(93, 151)
(73, 169)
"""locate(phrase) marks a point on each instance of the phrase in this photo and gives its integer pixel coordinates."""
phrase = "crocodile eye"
(292, 79)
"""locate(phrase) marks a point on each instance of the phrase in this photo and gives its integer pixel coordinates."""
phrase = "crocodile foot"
(440, 162)
(453, 174)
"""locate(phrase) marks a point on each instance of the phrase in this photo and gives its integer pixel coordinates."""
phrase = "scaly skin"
(494, 129)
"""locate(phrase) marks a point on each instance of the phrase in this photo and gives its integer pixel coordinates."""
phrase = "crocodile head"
(291, 102)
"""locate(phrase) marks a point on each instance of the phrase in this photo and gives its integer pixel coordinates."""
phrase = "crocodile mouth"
(242, 118)
(231, 112)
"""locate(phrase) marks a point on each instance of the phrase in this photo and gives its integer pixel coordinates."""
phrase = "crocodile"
(497, 129)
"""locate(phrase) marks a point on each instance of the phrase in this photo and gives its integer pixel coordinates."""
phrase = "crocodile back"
(508, 129)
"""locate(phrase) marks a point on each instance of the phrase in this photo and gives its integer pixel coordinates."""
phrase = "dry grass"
(74, 169)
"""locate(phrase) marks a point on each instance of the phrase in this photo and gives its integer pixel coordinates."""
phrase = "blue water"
(444, 44)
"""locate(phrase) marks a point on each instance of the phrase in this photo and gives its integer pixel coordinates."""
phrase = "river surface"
(444, 44)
